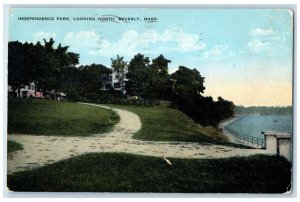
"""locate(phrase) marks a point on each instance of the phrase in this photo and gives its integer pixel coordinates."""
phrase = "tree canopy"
(120, 66)
(55, 69)
(158, 77)
(91, 80)
(42, 64)
(137, 76)
(187, 82)
(187, 88)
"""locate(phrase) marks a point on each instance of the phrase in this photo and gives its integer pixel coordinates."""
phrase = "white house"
(114, 81)
(27, 91)
(31, 90)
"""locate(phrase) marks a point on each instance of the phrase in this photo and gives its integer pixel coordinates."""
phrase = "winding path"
(43, 150)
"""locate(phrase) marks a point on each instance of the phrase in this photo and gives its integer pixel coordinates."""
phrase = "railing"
(242, 138)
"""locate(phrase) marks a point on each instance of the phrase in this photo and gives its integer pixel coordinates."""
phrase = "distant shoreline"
(263, 110)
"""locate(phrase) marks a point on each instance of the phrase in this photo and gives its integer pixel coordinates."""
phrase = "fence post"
(243, 138)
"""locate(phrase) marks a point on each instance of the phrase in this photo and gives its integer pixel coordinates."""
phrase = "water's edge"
(253, 125)
(222, 125)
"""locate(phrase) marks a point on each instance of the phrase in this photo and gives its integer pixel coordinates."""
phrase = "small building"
(278, 143)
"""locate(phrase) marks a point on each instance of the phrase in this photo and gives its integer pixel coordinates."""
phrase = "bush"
(204, 110)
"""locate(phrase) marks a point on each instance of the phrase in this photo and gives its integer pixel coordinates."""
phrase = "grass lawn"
(13, 146)
(119, 172)
(161, 123)
(47, 117)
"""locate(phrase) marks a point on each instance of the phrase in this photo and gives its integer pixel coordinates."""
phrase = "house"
(30, 91)
(114, 81)
(27, 91)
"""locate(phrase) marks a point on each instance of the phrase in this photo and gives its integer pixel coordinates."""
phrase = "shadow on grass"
(120, 172)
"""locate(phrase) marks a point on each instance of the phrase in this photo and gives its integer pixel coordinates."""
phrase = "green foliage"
(119, 66)
(17, 74)
(71, 83)
(54, 68)
(157, 80)
(91, 80)
(120, 172)
(187, 82)
(38, 63)
(241, 110)
(205, 110)
(137, 76)
(148, 81)
(224, 108)
(46, 117)
(187, 86)
(85, 82)
(111, 97)
(161, 123)
(13, 146)
(183, 88)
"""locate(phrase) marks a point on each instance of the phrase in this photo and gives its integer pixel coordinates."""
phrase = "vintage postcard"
(163, 100)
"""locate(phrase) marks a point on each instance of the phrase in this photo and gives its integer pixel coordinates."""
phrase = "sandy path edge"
(222, 125)
(43, 150)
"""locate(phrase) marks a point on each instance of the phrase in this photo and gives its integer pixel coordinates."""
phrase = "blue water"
(253, 125)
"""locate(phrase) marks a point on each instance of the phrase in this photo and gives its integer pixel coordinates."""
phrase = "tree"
(70, 82)
(224, 108)
(158, 78)
(17, 72)
(119, 66)
(91, 80)
(41, 64)
(187, 86)
(187, 82)
(137, 76)
(27, 63)
(57, 59)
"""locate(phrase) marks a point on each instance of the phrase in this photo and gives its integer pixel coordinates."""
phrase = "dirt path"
(43, 150)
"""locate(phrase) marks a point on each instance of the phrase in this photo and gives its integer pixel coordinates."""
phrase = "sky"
(245, 55)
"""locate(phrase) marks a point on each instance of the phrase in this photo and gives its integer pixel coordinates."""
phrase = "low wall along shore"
(274, 142)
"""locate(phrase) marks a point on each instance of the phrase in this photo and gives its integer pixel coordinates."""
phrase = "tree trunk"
(19, 93)
(54, 95)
